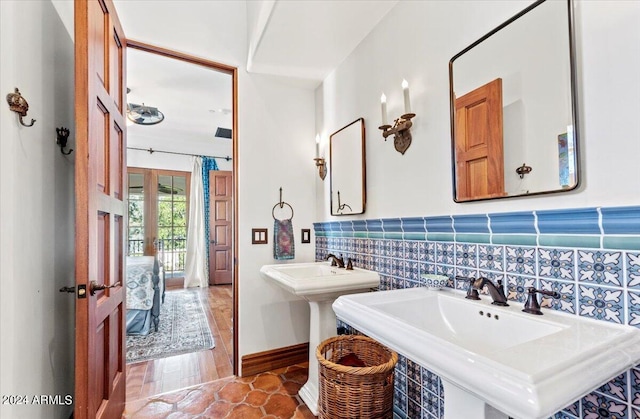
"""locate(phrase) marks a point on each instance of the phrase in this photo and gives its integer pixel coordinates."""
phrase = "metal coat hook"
(281, 204)
(341, 207)
(19, 104)
(523, 170)
(63, 137)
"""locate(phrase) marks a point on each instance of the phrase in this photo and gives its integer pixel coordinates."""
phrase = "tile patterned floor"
(270, 395)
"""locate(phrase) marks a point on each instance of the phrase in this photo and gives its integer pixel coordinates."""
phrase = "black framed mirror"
(347, 169)
(513, 104)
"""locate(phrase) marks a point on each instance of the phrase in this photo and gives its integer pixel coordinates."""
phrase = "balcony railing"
(171, 253)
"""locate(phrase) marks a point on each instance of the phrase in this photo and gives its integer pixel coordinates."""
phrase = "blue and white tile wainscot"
(589, 255)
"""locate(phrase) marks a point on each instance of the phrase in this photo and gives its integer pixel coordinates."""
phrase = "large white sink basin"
(318, 281)
(320, 284)
(525, 366)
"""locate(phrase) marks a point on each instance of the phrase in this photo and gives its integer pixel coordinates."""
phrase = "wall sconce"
(401, 129)
(321, 164)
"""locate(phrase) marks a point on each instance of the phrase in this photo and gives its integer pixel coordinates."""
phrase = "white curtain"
(196, 272)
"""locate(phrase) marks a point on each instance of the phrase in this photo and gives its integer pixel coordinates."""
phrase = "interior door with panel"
(479, 144)
(100, 208)
(220, 227)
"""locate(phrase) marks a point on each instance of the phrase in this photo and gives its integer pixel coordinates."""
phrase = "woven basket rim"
(375, 369)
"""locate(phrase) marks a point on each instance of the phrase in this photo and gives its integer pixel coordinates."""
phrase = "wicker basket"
(355, 392)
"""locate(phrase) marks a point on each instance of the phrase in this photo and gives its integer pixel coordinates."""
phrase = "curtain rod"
(151, 151)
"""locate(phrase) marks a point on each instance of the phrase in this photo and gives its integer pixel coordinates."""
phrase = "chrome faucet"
(337, 261)
(496, 291)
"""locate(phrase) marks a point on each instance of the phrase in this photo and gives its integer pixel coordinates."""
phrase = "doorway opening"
(192, 114)
(158, 208)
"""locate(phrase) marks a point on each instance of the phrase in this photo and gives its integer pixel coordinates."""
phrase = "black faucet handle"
(532, 306)
(472, 292)
(349, 264)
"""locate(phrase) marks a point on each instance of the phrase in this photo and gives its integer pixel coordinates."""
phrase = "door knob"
(94, 286)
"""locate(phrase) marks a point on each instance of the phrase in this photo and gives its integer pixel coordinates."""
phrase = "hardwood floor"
(149, 378)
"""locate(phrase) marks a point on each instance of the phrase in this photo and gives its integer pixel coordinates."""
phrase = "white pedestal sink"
(495, 361)
(320, 284)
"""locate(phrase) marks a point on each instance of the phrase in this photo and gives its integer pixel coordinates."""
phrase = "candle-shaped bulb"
(383, 102)
(407, 100)
(317, 146)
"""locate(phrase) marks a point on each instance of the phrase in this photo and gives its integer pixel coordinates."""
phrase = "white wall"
(36, 210)
(276, 139)
(416, 40)
(276, 150)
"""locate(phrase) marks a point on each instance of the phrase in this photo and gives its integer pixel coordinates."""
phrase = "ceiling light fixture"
(144, 115)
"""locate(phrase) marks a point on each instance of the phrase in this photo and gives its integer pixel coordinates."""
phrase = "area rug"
(183, 328)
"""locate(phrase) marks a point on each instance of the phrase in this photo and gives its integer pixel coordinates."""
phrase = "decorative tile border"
(569, 221)
(513, 222)
(591, 256)
(609, 228)
(621, 220)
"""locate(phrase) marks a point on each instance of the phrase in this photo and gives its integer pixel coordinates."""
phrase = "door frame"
(233, 72)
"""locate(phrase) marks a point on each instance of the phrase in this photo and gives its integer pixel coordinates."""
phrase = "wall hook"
(341, 207)
(19, 104)
(281, 204)
(523, 170)
(63, 136)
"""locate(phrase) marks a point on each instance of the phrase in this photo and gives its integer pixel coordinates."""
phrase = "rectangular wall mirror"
(513, 108)
(347, 169)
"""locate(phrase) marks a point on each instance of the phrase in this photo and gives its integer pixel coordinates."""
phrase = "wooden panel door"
(220, 227)
(479, 145)
(100, 211)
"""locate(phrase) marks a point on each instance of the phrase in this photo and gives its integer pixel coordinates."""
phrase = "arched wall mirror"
(348, 169)
(513, 108)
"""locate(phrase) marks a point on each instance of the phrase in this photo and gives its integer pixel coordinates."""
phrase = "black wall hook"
(523, 170)
(63, 137)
